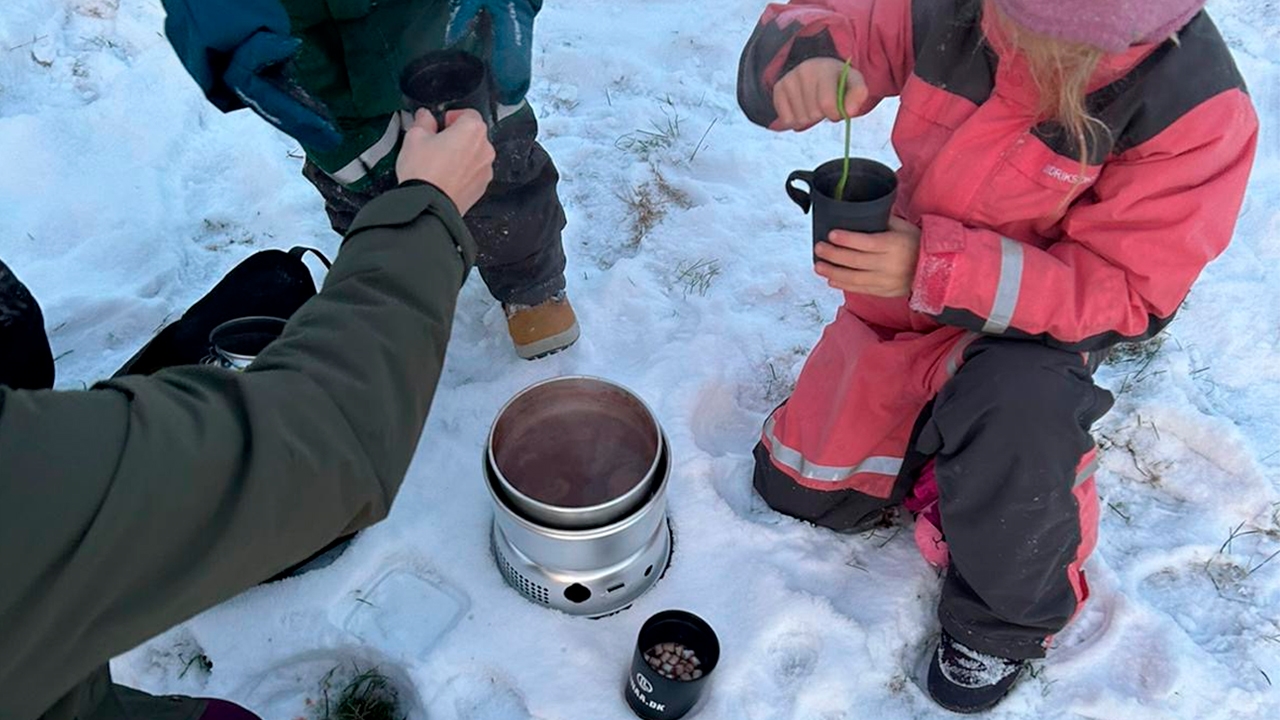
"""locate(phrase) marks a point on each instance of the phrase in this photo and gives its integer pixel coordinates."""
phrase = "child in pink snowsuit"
(1068, 170)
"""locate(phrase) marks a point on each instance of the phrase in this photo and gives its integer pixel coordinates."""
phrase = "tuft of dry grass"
(367, 696)
(648, 205)
(696, 277)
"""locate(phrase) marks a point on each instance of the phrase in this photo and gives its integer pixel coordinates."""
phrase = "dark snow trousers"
(97, 698)
(517, 224)
(1013, 458)
(26, 362)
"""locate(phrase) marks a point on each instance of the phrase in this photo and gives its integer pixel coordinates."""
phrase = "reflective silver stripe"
(792, 458)
(953, 362)
(253, 105)
(1007, 290)
(1088, 470)
(506, 111)
(357, 169)
(957, 353)
(879, 465)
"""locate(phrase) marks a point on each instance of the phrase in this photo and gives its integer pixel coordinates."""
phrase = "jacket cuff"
(419, 182)
(941, 242)
(404, 205)
(809, 47)
(968, 276)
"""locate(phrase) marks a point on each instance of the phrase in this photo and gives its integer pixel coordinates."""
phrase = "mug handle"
(798, 196)
(489, 113)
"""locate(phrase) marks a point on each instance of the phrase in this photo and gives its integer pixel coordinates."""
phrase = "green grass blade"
(848, 122)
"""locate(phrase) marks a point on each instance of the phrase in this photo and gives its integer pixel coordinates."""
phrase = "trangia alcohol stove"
(577, 468)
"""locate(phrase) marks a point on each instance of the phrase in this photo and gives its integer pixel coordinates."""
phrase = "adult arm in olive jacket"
(130, 507)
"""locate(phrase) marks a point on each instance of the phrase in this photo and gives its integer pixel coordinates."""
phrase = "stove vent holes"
(527, 587)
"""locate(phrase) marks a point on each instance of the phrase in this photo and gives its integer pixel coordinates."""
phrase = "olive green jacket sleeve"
(130, 507)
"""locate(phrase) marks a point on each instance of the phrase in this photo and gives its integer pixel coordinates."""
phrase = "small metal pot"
(236, 343)
(575, 452)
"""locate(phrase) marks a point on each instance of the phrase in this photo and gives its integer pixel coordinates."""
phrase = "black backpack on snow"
(26, 362)
(270, 283)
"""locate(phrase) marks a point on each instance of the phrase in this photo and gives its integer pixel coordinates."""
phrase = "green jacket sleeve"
(130, 507)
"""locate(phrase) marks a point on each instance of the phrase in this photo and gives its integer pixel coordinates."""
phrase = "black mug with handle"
(868, 198)
(449, 80)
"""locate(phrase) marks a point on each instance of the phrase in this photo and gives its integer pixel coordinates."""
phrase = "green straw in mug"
(848, 122)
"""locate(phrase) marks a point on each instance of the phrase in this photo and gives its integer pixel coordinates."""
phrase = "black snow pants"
(517, 224)
(1014, 459)
(26, 362)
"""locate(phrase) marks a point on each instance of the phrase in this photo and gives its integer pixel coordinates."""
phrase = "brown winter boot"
(542, 329)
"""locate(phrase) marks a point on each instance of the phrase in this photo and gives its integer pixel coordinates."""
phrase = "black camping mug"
(658, 692)
(449, 80)
(868, 196)
(236, 343)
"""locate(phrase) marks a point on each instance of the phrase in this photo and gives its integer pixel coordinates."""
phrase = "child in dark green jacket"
(327, 73)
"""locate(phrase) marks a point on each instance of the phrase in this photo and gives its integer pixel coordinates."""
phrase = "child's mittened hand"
(809, 94)
(879, 264)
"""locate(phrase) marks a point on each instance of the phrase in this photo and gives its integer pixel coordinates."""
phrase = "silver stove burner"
(592, 593)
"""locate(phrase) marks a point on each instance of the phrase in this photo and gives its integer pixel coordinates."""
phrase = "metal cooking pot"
(575, 452)
(236, 343)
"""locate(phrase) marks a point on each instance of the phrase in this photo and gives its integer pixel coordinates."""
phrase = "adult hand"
(511, 22)
(879, 264)
(239, 53)
(809, 94)
(458, 160)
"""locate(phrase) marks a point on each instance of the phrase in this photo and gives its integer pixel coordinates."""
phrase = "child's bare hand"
(458, 159)
(809, 94)
(880, 264)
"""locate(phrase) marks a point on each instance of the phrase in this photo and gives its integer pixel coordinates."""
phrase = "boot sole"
(549, 345)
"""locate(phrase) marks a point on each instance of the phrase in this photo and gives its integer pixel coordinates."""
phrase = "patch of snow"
(125, 197)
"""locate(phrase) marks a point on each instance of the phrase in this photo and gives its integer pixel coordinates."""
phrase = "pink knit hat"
(1112, 25)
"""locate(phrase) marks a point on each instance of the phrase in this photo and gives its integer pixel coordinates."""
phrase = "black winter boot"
(964, 680)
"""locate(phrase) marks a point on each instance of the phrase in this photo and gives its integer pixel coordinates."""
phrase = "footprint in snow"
(771, 688)
(1092, 630)
(736, 489)
(720, 426)
(175, 660)
(485, 696)
(793, 656)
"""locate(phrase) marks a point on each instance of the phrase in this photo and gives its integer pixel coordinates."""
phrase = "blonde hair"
(1061, 71)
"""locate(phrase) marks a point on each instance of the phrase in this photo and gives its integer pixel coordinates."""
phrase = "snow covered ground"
(124, 197)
